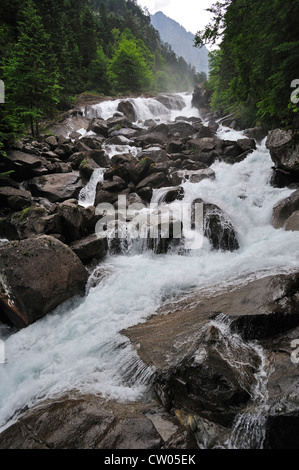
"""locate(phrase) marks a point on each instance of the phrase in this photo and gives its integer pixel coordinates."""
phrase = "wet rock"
(90, 248)
(172, 194)
(181, 129)
(80, 146)
(100, 158)
(164, 231)
(208, 374)
(205, 149)
(146, 194)
(75, 221)
(156, 154)
(156, 180)
(76, 421)
(127, 108)
(236, 151)
(156, 138)
(52, 141)
(75, 135)
(30, 222)
(99, 126)
(56, 187)
(116, 184)
(284, 150)
(15, 199)
(217, 227)
(175, 146)
(118, 121)
(93, 142)
(87, 167)
(171, 101)
(31, 284)
(119, 140)
(199, 175)
(201, 100)
(292, 223)
(213, 125)
(284, 209)
(22, 164)
(257, 133)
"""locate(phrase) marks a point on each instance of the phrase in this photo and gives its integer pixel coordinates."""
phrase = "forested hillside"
(52, 50)
(256, 68)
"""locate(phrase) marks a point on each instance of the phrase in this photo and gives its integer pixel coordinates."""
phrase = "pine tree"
(30, 74)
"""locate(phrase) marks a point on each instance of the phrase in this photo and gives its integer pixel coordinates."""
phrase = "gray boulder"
(284, 209)
(57, 187)
(37, 275)
(284, 150)
(292, 223)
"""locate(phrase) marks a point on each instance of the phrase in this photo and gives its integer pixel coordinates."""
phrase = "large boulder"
(284, 150)
(171, 101)
(57, 187)
(24, 165)
(30, 222)
(228, 368)
(127, 108)
(201, 100)
(284, 209)
(82, 421)
(90, 248)
(292, 223)
(217, 227)
(37, 275)
(98, 126)
(15, 199)
(257, 133)
(155, 180)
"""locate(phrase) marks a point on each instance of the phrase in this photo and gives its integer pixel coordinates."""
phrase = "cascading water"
(252, 368)
(79, 345)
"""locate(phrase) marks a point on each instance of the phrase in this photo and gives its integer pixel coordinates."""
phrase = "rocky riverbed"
(217, 359)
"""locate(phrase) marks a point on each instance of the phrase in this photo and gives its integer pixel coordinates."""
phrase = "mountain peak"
(181, 41)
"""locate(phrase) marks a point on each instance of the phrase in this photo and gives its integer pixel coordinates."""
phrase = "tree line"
(255, 66)
(53, 50)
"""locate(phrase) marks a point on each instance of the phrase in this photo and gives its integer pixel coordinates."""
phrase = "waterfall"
(252, 368)
(87, 194)
(79, 346)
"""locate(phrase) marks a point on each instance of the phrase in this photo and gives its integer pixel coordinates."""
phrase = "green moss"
(145, 161)
(25, 213)
(84, 162)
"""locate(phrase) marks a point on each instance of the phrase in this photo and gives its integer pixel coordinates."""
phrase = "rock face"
(15, 199)
(36, 275)
(292, 224)
(217, 227)
(210, 373)
(90, 248)
(57, 187)
(284, 209)
(89, 422)
(201, 100)
(284, 150)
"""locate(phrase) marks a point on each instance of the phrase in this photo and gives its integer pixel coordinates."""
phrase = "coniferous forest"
(254, 70)
(53, 50)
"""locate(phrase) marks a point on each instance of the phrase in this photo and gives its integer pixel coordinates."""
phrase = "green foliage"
(30, 74)
(53, 50)
(129, 69)
(257, 59)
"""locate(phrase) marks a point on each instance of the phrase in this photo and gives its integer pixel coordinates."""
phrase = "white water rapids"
(79, 345)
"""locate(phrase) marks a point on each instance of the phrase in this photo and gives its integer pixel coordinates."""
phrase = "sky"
(190, 14)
